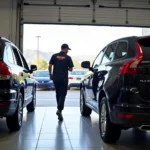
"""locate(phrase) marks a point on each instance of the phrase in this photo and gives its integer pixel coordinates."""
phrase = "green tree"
(41, 64)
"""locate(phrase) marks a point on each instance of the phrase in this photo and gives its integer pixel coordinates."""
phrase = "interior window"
(121, 50)
(24, 62)
(98, 60)
(17, 57)
(9, 52)
(109, 54)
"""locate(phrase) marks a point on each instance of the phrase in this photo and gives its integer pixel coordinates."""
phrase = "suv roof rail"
(5, 39)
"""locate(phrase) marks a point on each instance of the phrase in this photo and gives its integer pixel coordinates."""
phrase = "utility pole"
(38, 42)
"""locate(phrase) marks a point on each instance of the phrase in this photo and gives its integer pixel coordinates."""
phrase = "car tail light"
(2, 105)
(126, 116)
(70, 78)
(148, 36)
(131, 66)
(4, 70)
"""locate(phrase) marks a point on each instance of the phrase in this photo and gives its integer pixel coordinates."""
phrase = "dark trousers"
(61, 92)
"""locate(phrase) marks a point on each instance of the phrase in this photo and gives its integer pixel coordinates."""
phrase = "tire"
(32, 105)
(109, 132)
(14, 122)
(85, 111)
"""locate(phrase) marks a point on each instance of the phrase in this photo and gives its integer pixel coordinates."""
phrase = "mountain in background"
(31, 55)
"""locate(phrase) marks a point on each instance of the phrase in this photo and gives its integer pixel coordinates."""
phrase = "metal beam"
(112, 7)
(59, 17)
(94, 10)
(55, 2)
(57, 5)
(120, 3)
(94, 2)
(20, 1)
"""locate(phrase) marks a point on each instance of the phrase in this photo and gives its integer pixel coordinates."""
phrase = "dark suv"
(17, 86)
(118, 87)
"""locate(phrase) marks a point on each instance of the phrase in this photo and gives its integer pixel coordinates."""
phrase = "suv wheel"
(14, 122)
(85, 111)
(109, 132)
(31, 106)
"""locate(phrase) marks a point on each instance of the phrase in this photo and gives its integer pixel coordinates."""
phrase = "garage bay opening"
(40, 42)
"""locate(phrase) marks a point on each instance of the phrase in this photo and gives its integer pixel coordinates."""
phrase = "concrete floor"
(48, 98)
(42, 131)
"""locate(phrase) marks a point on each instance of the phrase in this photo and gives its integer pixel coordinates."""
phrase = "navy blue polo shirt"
(62, 62)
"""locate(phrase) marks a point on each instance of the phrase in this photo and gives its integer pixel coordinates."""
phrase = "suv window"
(98, 59)
(145, 45)
(1, 50)
(9, 54)
(109, 53)
(17, 57)
(121, 50)
(24, 62)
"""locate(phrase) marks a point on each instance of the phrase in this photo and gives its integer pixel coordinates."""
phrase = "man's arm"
(50, 69)
(71, 65)
(51, 63)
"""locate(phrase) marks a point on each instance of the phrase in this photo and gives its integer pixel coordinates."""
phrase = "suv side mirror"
(85, 64)
(33, 68)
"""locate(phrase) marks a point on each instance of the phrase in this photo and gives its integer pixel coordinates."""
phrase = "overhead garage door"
(107, 12)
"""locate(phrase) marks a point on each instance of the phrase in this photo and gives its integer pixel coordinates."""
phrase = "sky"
(83, 40)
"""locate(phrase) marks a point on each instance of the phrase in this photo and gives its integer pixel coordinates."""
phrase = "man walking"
(62, 64)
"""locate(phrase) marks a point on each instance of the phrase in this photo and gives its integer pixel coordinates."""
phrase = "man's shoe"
(59, 114)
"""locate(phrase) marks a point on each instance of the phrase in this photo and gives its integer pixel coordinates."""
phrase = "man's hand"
(51, 78)
(70, 69)
(50, 71)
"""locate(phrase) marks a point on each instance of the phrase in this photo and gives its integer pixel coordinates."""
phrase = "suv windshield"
(78, 73)
(42, 74)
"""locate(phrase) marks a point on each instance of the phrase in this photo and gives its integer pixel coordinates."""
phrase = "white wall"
(8, 20)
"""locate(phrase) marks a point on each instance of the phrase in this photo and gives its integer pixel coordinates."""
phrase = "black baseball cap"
(65, 46)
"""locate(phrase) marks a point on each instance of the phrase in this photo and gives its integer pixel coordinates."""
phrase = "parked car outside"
(43, 81)
(17, 85)
(75, 78)
(118, 87)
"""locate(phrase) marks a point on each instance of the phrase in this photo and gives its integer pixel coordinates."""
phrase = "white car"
(75, 78)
